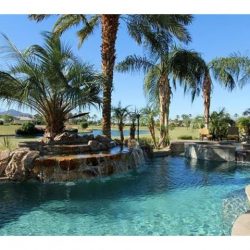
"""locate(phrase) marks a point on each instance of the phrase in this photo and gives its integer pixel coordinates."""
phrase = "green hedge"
(185, 137)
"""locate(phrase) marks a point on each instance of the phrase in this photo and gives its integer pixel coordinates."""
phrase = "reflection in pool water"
(168, 196)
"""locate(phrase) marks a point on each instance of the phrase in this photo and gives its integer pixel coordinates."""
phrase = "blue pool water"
(168, 196)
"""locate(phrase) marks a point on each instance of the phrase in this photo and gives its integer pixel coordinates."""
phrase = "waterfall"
(138, 155)
(88, 166)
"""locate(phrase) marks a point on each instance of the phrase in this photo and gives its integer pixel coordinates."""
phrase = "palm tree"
(245, 113)
(135, 115)
(224, 69)
(149, 114)
(161, 75)
(50, 80)
(140, 28)
(120, 114)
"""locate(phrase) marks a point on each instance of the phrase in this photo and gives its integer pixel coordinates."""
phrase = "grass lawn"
(180, 131)
(10, 130)
(13, 142)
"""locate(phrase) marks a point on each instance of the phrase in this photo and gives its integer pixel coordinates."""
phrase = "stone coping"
(241, 226)
(212, 145)
(247, 190)
(101, 154)
(162, 152)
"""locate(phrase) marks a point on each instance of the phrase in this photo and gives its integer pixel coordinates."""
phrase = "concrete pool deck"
(241, 226)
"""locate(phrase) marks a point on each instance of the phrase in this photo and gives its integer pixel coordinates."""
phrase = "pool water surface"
(166, 196)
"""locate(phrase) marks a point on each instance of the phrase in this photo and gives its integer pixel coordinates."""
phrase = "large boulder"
(88, 137)
(102, 138)
(4, 160)
(94, 145)
(106, 142)
(29, 159)
(62, 137)
(20, 164)
(132, 143)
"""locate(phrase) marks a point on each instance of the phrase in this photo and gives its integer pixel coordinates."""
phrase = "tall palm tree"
(50, 80)
(140, 28)
(161, 75)
(120, 114)
(227, 71)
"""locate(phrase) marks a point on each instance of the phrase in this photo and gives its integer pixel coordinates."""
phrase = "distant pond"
(114, 133)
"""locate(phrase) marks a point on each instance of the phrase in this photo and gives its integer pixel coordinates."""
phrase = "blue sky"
(212, 36)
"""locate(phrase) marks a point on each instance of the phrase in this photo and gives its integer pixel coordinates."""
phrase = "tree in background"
(38, 119)
(219, 123)
(120, 114)
(246, 112)
(149, 115)
(198, 122)
(186, 120)
(244, 125)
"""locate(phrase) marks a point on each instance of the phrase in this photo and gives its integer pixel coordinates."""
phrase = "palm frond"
(134, 63)
(151, 85)
(189, 69)
(87, 29)
(228, 69)
(38, 17)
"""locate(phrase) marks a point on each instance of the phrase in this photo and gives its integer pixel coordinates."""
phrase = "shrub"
(1, 122)
(84, 124)
(38, 119)
(185, 137)
(29, 129)
(219, 123)
(244, 124)
(146, 141)
(171, 126)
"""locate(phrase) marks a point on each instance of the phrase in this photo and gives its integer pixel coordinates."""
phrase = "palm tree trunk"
(164, 98)
(110, 25)
(206, 98)
(168, 100)
(162, 103)
(55, 123)
(151, 128)
(121, 132)
(132, 130)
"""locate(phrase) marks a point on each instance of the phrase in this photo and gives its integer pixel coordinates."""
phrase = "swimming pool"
(167, 196)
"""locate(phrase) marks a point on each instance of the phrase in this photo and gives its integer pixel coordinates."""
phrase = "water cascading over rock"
(76, 159)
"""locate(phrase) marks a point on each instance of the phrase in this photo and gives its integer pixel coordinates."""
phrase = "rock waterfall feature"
(69, 159)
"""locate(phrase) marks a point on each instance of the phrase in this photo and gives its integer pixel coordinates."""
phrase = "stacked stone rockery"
(69, 143)
(17, 165)
(72, 168)
(69, 157)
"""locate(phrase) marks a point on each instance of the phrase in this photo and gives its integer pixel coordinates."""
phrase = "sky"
(212, 35)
